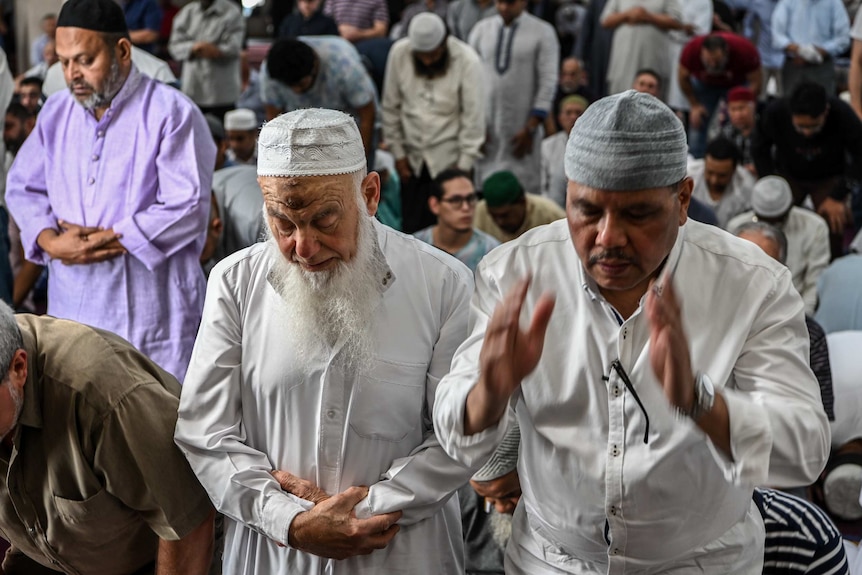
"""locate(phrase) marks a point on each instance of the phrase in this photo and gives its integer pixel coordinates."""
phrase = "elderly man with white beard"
(315, 370)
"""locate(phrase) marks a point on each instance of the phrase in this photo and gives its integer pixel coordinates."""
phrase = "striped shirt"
(360, 13)
(800, 537)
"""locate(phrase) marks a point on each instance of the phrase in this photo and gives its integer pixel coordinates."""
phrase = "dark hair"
(808, 99)
(446, 175)
(32, 81)
(722, 148)
(111, 38)
(290, 61)
(19, 111)
(650, 72)
(714, 42)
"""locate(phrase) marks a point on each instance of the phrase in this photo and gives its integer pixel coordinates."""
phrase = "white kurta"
(554, 180)
(698, 13)
(593, 491)
(637, 46)
(808, 251)
(246, 409)
(519, 75)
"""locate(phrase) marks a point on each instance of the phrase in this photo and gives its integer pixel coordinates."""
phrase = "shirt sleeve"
(179, 216)
(181, 41)
(817, 258)
(142, 466)
(547, 70)
(779, 432)
(153, 17)
(422, 482)
(475, 449)
(839, 36)
(781, 26)
(471, 136)
(393, 129)
(27, 193)
(210, 429)
(381, 12)
(230, 40)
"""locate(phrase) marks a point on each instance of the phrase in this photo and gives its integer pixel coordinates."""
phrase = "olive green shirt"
(540, 211)
(94, 479)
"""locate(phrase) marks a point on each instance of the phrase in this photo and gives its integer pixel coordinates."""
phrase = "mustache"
(612, 254)
(81, 84)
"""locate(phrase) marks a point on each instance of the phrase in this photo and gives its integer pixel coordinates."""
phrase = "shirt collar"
(216, 8)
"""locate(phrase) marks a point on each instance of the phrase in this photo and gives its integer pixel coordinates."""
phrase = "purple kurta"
(145, 170)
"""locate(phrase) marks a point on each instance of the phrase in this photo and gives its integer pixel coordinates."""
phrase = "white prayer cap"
(310, 142)
(240, 119)
(505, 458)
(771, 197)
(426, 31)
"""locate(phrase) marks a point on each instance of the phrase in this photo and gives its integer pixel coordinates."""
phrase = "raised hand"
(669, 352)
(331, 528)
(508, 355)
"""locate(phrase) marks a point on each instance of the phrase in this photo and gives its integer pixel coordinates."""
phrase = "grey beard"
(113, 84)
(501, 527)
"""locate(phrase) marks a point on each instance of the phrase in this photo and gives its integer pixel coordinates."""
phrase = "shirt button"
(95, 157)
(615, 450)
(330, 414)
(91, 181)
(615, 551)
(32, 531)
(101, 133)
(616, 391)
(613, 510)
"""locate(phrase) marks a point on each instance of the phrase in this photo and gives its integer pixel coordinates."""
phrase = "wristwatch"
(704, 396)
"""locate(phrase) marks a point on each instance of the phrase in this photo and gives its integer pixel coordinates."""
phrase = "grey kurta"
(521, 78)
(640, 45)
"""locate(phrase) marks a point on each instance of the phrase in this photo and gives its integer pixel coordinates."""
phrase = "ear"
(434, 205)
(217, 226)
(124, 51)
(371, 192)
(684, 197)
(18, 369)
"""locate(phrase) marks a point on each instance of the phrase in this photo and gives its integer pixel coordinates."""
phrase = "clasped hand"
(76, 244)
(331, 528)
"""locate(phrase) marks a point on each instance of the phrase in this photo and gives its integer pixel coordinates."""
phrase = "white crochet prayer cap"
(426, 31)
(628, 141)
(771, 197)
(505, 458)
(240, 119)
(310, 142)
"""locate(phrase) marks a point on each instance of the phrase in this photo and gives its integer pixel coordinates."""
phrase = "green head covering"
(502, 189)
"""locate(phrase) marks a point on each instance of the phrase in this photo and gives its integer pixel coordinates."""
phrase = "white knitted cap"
(426, 31)
(310, 142)
(240, 119)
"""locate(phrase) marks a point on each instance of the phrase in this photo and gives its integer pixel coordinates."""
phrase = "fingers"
(347, 499)
(80, 230)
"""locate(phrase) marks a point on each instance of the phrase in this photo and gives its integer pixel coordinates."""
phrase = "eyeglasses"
(618, 367)
(458, 201)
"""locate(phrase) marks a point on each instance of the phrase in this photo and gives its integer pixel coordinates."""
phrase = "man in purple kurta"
(111, 192)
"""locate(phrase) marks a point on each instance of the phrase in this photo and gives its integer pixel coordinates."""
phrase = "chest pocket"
(387, 404)
(94, 522)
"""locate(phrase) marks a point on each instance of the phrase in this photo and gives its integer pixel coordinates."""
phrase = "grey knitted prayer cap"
(628, 141)
(505, 459)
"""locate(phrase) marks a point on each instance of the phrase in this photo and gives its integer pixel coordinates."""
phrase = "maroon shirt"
(742, 59)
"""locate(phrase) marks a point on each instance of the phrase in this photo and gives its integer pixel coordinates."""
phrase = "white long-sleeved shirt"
(807, 250)
(584, 466)
(736, 198)
(441, 121)
(247, 408)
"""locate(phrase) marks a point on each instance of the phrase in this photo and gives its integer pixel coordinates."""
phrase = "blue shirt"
(342, 82)
(824, 23)
(760, 12)
(472, 253)
(143, 15)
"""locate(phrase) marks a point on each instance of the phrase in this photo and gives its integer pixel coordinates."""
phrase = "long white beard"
(501, 527)
(325, 307)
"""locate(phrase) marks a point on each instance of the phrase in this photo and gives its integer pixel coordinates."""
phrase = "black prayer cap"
(99, 15)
